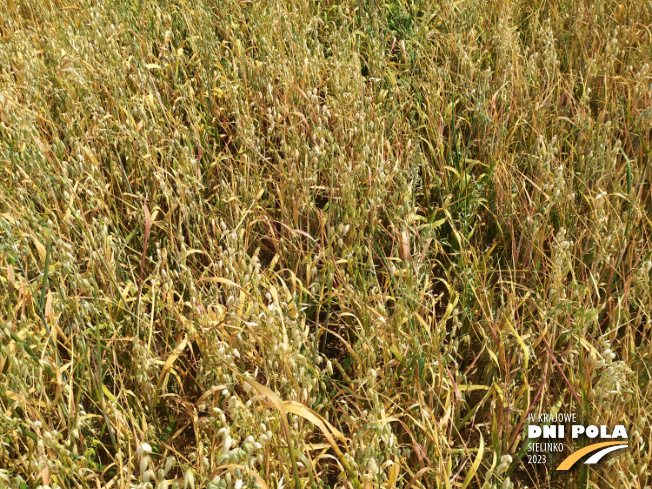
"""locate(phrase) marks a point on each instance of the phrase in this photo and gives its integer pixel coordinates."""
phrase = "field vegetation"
(297, 243)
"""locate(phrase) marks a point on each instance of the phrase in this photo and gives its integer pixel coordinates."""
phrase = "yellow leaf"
(476, 463)
(418, 475)
(499, 391)
(473, 387)
(404, 245)
(451, 305)
(40, 248)
(171, 359)
(11, 279)
(8, 217)
(48, 304)
(493, 357)
(526, 350)
(210, 391)
(277, 403)
(393, 474)
(107, 393)
(328, 429)
(91, 156)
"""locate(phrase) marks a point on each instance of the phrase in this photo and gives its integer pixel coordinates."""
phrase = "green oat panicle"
(321, 244)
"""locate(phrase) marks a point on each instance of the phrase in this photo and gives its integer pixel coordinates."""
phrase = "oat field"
(318, 244)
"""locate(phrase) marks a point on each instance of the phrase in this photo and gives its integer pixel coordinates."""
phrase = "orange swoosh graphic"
(574, 457)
